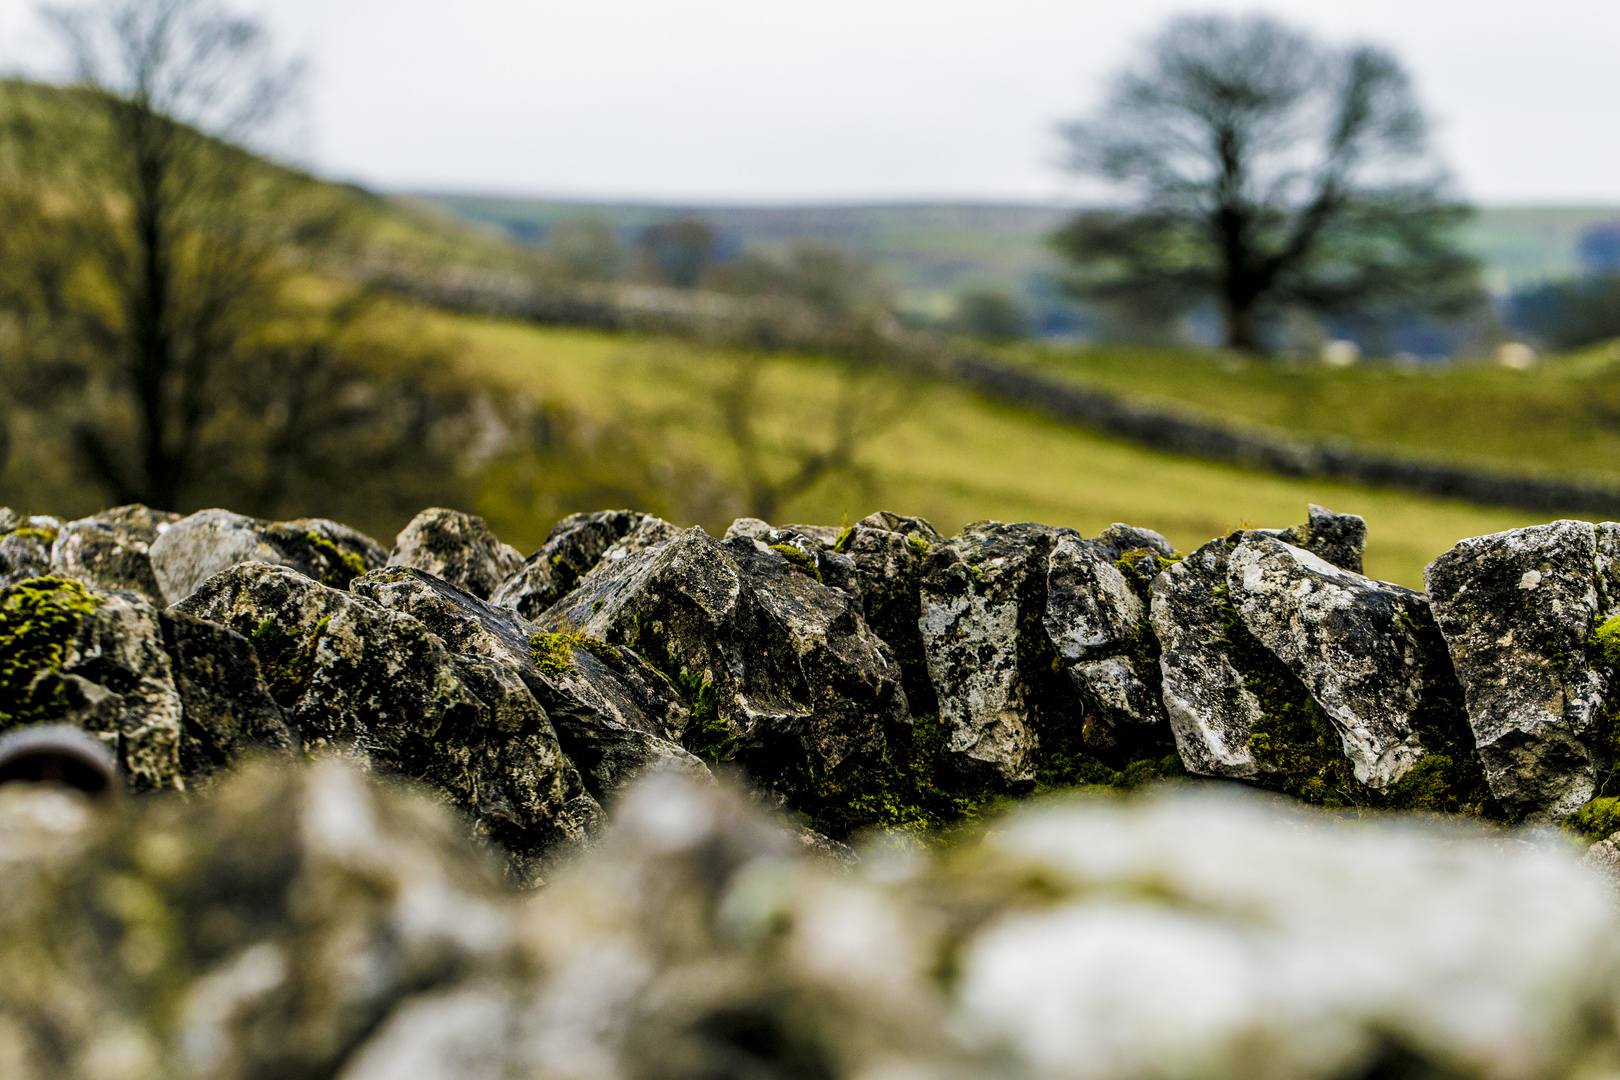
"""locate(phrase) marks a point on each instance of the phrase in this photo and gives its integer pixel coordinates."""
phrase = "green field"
(948, 455)
(1560, 419)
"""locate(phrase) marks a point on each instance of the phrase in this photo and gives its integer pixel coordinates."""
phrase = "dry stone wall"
(875, 676)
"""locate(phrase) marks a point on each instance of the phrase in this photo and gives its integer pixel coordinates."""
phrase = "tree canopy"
(1264, 172)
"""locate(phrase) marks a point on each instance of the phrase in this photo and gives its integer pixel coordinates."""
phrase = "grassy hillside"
(1559, 419)
(946, 454)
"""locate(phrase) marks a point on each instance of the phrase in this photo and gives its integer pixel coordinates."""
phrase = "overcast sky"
(860, 100)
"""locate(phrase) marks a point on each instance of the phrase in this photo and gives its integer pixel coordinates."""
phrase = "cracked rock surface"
(779, 670)
(1517, 609)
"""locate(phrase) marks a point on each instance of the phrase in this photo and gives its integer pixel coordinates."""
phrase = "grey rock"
(193, 549)
(379, 683)
(649, 532)
(226, 708)
(888, 566)
(457, 547)
(1340, 539)
(747, 526)
(143, 522)
(789, 677)
(816, 557)
(103, 668)
(1122, 538)
(574, 545)
(25, 549)
(981, 592)
(1352, 641)
(9, 519)
(1516, 609)
(1211, 711)
(614, 715)
(825, 536)
(109, 555)
(1097, 622)
(906, 526)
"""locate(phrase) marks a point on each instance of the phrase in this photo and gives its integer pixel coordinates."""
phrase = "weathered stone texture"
(1212, 713)
(780, 669)
(1516, 609)
(457, 547)
(983, 602)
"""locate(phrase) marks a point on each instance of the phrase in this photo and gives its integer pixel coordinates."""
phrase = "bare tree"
(173, 218)
(1266, 172)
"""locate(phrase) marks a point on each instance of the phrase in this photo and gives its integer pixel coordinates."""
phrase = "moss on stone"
(801, 562)
(845, 537)
(343, 566)
(1296, 746)
(38, 618)
(28, 532)
(707, 734)
(1301, 751)
(287, 660)
(1140, 566)
(1603, 644)
(1597, 820)
(553, 654)
(914, 786)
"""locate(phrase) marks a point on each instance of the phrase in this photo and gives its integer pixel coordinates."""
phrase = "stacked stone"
(874, 675)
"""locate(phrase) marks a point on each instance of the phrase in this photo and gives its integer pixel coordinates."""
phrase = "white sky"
(860, 100)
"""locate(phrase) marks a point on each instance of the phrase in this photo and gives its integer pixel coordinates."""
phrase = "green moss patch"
(28, 532)
(1140, 567)
(38, 618)
(343, 566)
(553, 654)
(707, 734)
(286, 658)
(1303, 755)
(1597, 820)
(803, 563)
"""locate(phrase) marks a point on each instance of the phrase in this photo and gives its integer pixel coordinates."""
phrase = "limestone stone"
(193, 549)
(1097, 621)
(112, 550)
(614, 715)
(1352, 641)
(25, 548)
(378, 683)
(1340, 539)
(92, 658)
(458, 547)
(225, 705)
(1211, 711)
(779, 669)
(574, 545)
(983, 595)
(1516, 609)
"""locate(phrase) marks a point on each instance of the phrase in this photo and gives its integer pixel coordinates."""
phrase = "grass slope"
(949, 455)
(1561, 419)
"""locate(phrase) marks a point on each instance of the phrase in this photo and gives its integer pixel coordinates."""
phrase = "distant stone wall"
(783, 324)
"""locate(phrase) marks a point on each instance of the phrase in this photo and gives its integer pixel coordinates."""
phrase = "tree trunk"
(148, 306)
(1241, 326)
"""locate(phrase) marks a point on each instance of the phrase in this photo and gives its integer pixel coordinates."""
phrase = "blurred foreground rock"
(310, 922)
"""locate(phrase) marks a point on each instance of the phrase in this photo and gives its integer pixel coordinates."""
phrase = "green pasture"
(1559, 419)
(952, 457)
